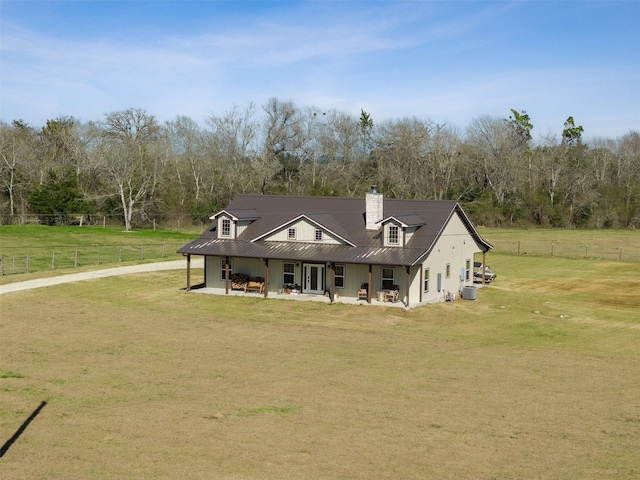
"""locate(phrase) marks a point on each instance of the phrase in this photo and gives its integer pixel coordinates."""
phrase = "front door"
(313, 278)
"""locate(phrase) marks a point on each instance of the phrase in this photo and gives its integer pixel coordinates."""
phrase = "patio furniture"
(392, 294)
(363, 293)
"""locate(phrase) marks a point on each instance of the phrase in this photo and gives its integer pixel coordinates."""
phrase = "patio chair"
(363, 293)
(392, 294)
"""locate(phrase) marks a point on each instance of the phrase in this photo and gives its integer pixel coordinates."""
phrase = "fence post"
(585, 252)
(26, 267)
(142, 254)
(98, 254)
(552, 249)
(104, 221)
(518, 247)
(163, 249)
(75, 260)
(53, 260)
(1, 264)
(620, 256)
(13, 265)
(120, 254)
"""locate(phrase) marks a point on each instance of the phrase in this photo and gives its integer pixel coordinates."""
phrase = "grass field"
(538, 378)
(606, 244)
(58, 250)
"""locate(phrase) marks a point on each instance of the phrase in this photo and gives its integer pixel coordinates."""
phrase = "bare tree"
(281, 135)
(231, 146)
(187, 151)
(628, 177)
(495, 149)
(18, 152)
(129, 153)
(443, 157)
(403, 156)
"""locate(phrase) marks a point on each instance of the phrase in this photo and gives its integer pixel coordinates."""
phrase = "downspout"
(266, 277)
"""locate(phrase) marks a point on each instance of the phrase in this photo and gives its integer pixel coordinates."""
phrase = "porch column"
(370, 285)
(266, 277)
(421, 282)
(188, 272)
(408, 283)
(226, 276)
(484, 264)
(333, 282)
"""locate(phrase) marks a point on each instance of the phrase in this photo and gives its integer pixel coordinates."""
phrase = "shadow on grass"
(20, 430)
(195, 287)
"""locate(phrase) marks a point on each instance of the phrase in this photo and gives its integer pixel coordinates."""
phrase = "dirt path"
(106, 272)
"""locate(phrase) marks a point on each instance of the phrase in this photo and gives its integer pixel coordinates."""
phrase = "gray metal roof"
(343, 216)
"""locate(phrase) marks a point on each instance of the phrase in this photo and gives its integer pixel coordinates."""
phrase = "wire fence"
(38, 259)
(177, 222)
(600, 249)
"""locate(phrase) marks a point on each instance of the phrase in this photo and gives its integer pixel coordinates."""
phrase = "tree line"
(131, 165)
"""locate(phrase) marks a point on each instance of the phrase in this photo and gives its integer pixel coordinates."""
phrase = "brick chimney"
(374, 212)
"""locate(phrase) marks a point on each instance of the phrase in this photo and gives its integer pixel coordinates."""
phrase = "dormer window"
(393, 235)
(225, 229)
(319, 235)
(291, 234)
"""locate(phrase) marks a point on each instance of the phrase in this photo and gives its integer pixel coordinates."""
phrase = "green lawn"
(537, 378)
(37, 248)
(611, 244)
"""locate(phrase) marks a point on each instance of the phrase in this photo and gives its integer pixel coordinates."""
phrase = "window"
(467, 270)
(318, 235)
(387, 278)
(291, 234)
(226, 227)
(426, 280)
(339, 278)
(222, 268)
(448, 271)
(288, 273)
(393, 235)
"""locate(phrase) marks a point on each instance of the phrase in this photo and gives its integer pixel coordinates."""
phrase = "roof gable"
(404, 220)
(323, 221)
(237, 214)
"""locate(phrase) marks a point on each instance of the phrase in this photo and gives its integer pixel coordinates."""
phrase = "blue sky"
(447, 61)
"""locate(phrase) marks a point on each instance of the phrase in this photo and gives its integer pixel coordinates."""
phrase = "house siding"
(242, 226)
(454, 247)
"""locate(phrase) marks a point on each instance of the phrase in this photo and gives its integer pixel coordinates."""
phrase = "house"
(375, 249)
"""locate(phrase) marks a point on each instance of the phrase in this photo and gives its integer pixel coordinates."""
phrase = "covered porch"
(304, 297)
